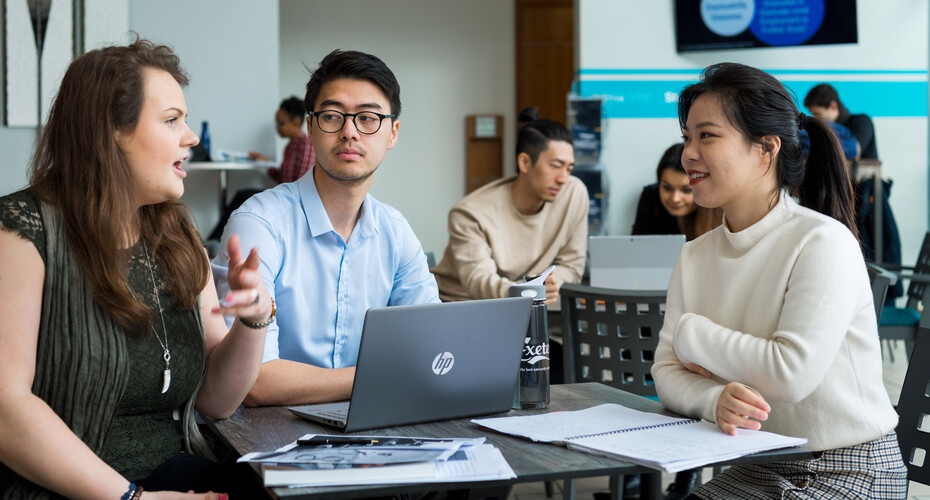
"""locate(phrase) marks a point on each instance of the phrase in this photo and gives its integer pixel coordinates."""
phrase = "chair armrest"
(882, 271)
(919, 278)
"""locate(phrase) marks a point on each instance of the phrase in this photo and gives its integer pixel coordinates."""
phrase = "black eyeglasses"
(366, 122)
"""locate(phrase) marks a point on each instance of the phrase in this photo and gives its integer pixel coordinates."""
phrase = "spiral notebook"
(649, 439)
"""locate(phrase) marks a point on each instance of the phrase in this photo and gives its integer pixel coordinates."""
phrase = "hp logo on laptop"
(443, 362)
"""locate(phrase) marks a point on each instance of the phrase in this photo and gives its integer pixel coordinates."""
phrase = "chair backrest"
(610, 336)
(430, 260)
(881, 279)
(916, 290)
(914, 412)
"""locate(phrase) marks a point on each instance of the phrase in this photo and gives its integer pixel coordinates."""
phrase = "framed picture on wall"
(40, 39)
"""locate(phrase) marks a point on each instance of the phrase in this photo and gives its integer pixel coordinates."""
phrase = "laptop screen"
(634, 262)
(437, 361)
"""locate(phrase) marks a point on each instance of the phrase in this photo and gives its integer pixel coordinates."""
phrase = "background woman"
(109, 322)
(668, 207)
(770, 322)
(298, 158)
(298, 154)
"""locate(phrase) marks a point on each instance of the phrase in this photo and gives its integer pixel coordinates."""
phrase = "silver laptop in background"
(634, 262)
(431, 362)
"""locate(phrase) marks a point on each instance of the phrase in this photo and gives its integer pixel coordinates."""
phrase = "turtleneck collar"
(745, 239)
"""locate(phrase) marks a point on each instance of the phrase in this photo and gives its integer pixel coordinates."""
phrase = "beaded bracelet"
(131, 493)
(258, 326)
(137, 495)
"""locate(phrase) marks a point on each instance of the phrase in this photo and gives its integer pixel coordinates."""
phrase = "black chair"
(430, 260)
(914, 411)
(610, 336)
(881, 280)
(901, 323)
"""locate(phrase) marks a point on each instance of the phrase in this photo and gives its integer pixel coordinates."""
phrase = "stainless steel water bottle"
(532, 385)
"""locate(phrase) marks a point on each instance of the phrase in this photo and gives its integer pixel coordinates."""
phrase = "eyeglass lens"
(332, 121)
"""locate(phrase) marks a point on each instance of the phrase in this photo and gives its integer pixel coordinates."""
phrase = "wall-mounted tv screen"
(735, 24)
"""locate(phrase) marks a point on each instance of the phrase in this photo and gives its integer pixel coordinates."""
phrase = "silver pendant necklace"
(166, 375)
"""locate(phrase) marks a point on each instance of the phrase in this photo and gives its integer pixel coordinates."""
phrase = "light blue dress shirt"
(321, 284)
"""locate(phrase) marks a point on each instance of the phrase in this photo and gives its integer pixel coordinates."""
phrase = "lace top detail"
(145, 431)
(19, 214)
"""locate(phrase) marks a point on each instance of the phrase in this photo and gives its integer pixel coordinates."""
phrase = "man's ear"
(833, 106)
(524, 163)
(395, 127)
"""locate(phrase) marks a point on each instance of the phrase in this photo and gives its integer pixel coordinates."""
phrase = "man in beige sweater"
(519, 225)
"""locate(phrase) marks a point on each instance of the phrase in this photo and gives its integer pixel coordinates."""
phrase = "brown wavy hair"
(79, 168)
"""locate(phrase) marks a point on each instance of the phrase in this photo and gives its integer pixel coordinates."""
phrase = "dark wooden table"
(265, 429)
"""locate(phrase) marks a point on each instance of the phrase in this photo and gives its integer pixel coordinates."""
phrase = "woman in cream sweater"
(770, 322)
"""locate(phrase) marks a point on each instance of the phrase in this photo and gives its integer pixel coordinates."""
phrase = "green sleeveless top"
(104, 382)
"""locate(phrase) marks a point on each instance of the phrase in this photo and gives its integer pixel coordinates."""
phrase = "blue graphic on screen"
(787, 22)
(733, 24)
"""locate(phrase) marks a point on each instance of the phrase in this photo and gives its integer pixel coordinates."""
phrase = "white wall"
(634, 40)
(452, 58)
(105, 21)
(230, 50)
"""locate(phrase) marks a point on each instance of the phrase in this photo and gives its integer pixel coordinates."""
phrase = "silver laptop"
(634, 262)
(431, 362)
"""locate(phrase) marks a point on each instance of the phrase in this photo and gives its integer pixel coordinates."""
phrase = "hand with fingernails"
(738, 405)
(247, 296)
(741, 406)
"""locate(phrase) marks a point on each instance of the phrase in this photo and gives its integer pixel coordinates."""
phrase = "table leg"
(495, 493)
(651, 486)
(223, 187)
(568, 489)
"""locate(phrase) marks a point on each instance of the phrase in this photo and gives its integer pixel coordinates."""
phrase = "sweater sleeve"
(471, 251)
(680, 389)
(824, 292)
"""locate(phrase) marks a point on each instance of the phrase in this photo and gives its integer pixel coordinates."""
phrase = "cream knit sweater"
(491, 244)
(785, 307)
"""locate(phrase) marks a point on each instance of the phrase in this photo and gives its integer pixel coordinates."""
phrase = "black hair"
(671, 158)
(758, 105)
(294, 107)
(353, 65)
(822, 95)
(534, 137)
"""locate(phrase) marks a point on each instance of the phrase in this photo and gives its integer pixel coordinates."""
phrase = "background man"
(520, 225)
(824, 102)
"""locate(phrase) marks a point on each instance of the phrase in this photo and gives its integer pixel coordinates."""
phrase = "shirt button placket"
(341, 307)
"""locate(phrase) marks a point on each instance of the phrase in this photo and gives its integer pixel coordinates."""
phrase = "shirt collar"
(367, 222)
(314, 211)
(318, 219)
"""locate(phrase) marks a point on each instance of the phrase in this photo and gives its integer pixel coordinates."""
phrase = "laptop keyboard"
(333, 414)
(338, 410)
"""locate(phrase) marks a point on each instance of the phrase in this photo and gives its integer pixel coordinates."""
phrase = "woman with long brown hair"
(110, 327)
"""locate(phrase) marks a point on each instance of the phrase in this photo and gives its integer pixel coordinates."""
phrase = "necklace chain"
(164, 345)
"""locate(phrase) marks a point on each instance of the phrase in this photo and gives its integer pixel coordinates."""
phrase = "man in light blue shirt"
(329, 250)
